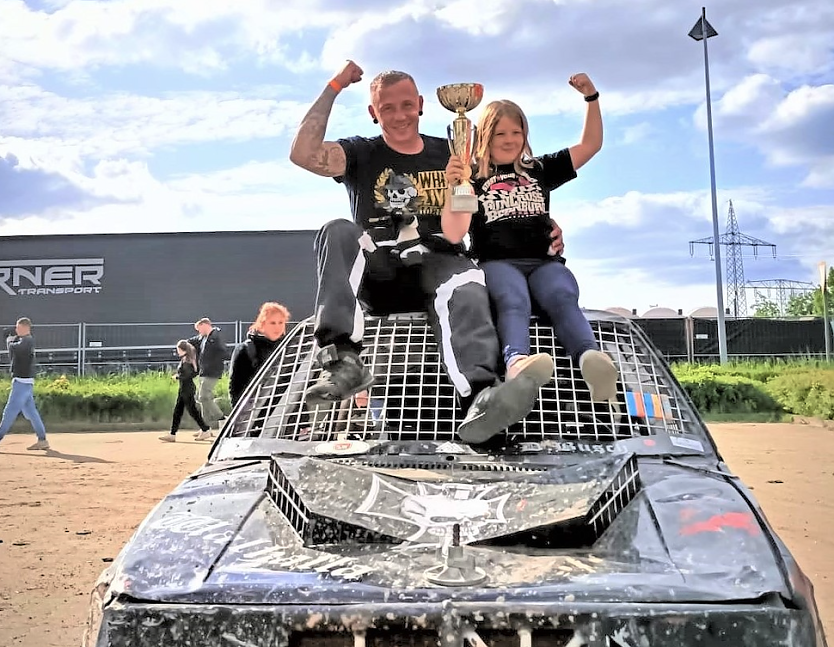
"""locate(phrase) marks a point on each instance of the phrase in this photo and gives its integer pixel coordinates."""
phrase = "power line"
(734, 240)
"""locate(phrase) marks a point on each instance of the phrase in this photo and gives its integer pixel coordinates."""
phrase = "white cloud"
(112, 124)
(603, 286)
(198, 36)
(753, 99)
(790, 128)
(793, 53)
(272, 195)
(800, 127)
(635, 134)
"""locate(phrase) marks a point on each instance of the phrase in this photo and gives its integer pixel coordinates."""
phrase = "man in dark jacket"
(21, 347)
(211, 354)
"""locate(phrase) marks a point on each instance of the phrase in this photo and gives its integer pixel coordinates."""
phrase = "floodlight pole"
(703, 31)
(823, 289)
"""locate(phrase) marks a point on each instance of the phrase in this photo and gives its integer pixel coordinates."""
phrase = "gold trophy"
(461, 98)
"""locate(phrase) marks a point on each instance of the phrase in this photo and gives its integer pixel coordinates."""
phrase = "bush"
(714, 392)
(142, 397)
(801, 387)
(807, 394)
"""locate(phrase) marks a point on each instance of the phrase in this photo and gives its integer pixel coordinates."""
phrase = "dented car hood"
(365, 533)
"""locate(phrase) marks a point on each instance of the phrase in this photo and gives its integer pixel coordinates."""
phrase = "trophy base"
(464, 202)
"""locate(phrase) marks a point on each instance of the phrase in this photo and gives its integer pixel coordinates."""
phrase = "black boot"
(498, 407)
(343, 374)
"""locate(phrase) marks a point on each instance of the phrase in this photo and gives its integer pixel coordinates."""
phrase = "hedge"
(803, 388)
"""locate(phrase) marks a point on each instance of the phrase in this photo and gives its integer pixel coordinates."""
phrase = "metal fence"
(106, 348)
(696, 338)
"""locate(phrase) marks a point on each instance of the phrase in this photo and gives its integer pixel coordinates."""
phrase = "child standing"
(511, 237)
(187, 393)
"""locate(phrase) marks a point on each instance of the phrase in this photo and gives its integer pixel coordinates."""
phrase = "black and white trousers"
(355, 276)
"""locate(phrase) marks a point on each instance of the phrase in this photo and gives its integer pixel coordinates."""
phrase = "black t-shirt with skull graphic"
(386, 187)
(513, 219)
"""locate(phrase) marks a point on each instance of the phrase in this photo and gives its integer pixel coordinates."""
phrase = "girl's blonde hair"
(190, 352)
(267, 310)
(488, 122)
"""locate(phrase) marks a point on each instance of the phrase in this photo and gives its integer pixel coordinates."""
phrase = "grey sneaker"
(497, 407)
(343, 375)
(41, 444)
(204, 435)
(168, 438)
(600, 374)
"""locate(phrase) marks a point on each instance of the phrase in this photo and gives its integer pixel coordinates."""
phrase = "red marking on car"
(521, 505)
(687, 513)
(649, 442)
(717, 523)
(342, 446)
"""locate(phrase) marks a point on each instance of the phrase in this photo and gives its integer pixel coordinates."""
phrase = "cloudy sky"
(176, 115)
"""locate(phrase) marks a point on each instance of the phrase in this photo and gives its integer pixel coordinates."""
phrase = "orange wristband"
(335, 85)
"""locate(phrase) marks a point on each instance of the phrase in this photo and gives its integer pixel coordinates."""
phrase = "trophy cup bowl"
(460, 98)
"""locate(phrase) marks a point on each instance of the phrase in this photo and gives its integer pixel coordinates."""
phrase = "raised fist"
(350, 73)
(582, 83)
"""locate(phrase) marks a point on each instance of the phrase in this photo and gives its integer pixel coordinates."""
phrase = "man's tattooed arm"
(309, 150)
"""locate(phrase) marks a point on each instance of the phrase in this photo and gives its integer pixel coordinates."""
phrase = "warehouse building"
(159, 277)
(119, 302)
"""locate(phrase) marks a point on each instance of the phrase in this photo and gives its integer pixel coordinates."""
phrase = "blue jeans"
(22, 400)
(511, 284)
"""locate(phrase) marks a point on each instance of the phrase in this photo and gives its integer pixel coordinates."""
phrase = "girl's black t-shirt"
(513, 219)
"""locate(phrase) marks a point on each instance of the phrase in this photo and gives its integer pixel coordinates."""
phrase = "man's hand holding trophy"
(461, 98)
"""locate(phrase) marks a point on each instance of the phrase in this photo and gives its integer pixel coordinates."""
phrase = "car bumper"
(452, 624)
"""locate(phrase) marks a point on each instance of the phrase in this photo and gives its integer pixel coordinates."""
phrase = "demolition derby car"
(369, 524)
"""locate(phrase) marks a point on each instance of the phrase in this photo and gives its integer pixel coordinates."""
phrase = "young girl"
(510, 237)
(187, 394)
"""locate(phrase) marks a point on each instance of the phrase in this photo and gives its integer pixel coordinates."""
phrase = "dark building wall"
(137, 278)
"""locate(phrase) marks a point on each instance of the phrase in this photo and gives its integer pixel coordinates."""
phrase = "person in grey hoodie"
(211, 355)
(21, 346)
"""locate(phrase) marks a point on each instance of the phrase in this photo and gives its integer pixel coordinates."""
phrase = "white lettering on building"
(51, 276)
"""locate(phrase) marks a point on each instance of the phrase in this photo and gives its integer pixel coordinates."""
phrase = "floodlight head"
(702, 26)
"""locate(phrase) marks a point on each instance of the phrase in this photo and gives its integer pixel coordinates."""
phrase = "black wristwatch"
(592, 97)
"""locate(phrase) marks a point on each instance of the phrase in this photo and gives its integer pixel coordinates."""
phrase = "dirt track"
(62, 513)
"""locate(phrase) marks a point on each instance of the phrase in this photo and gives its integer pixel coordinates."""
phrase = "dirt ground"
(66, 511)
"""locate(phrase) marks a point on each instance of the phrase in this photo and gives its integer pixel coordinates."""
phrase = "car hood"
(686, 534)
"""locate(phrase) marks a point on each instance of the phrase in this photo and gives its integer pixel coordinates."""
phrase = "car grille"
(413, 398)
(418, 638)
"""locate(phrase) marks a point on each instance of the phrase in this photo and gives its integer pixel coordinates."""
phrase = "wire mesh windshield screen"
(412, 399)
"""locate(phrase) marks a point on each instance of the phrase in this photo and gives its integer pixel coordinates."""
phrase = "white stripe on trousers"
(441, 307)
(366, 244)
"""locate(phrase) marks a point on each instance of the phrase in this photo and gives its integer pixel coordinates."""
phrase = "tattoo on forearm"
(309, 149)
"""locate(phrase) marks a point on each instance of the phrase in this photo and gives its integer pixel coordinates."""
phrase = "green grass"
(751, 391)
(141, 397)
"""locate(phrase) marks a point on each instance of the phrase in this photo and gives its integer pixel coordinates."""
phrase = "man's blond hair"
(390, 77)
